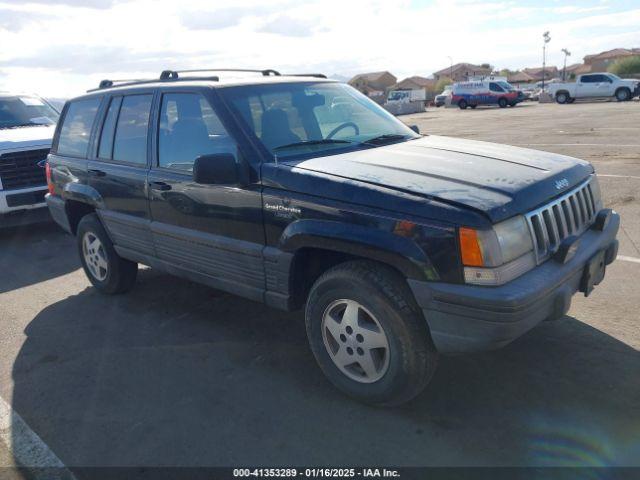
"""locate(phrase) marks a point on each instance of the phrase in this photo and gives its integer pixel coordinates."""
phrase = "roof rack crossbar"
(316, 75)
(176, 73)
(163, 78)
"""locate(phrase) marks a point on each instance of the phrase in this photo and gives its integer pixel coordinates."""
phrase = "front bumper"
(465, 318)
(23, 206)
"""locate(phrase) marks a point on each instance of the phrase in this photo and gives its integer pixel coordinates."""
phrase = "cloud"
(291, 27)
(223, 18)
(100, 4)
(16, 20)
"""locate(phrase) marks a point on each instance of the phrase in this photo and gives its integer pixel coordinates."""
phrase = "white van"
(27, 123)
(487, 91)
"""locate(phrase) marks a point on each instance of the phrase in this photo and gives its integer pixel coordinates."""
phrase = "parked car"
(398, 246)
(26, 128)
(595, 85)
(485, 92)
(442, 98)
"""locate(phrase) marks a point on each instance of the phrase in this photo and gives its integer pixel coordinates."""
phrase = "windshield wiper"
(324, 141)
(387, 137)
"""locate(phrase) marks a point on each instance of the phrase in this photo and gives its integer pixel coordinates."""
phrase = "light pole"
(450, 67)
(567, 53)
(547, 39)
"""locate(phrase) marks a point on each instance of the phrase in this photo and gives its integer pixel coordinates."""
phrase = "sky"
(62, 48)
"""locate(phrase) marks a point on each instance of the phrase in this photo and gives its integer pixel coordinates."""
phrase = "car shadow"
(176, 374)
(30, 254)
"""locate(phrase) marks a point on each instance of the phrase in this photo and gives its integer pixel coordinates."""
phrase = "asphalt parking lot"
(177, 374)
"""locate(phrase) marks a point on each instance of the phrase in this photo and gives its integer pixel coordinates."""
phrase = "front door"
(118, 172)
(213, 231)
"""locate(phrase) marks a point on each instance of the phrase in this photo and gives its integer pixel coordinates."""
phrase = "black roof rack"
(174, 74)
(316, 75)
(124, 83)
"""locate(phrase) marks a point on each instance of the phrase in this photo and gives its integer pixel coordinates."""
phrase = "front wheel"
(623, 94)
(367, 334)
(106, 270)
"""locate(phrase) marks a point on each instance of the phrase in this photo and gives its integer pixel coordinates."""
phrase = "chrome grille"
(568, 215)
(21, 170)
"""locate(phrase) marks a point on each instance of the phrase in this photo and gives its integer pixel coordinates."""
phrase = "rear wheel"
(463, 104)
(502, 103)
(107, 271)
(368, 335)
(623, 94)
(562, 97)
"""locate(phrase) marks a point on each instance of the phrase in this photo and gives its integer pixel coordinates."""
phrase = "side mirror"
(415, 128)
(216, 169)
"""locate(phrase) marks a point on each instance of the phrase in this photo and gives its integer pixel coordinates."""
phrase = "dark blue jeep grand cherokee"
(300, 192)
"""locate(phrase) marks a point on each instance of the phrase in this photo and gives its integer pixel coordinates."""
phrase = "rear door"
(587, 87)
(118, 171)
(214, 232)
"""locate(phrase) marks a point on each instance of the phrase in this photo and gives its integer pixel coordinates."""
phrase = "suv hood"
(21, 137)
(497, 180)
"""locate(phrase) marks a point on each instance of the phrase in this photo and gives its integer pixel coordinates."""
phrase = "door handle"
(96, 173)
(162, 186)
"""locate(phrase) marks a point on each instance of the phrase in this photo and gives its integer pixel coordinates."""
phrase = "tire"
(502, 103)
(623, 94)
(562, 97)
(398, 370)
(463, 104)
(473, 107)
(107, 271)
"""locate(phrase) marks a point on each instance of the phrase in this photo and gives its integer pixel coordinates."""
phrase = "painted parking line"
(628, 145)
(618, 176)
(27, 447)
(624, 258)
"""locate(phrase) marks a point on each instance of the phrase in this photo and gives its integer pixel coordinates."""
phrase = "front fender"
(393, 249)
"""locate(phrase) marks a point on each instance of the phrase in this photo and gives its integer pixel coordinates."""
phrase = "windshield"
(314, 119)
(26, 111)
(507, 86)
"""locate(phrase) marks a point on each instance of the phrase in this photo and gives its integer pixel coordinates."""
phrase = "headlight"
(595, 191)
(498, 255)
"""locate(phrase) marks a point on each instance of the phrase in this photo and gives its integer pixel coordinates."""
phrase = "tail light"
(50, 186)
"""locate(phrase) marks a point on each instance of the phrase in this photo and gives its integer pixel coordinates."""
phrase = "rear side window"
(76, 127)
(588, 79)
(130, 142)
(106, 139)
(189, 128)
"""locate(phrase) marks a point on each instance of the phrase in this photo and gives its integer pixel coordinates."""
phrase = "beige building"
(601, 62)
(375, 85)
(461, 72)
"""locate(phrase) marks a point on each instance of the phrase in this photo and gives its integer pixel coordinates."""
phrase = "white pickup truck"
(592, 85)
(27, 123)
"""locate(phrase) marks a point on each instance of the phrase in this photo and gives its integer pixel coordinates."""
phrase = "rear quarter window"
(76, 127)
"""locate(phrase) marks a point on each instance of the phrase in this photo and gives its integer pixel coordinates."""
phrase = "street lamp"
(547, 39)
(567, 53)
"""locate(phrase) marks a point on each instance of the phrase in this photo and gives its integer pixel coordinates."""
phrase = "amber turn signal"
(470, 247)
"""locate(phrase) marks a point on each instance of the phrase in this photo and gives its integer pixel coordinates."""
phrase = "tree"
(443, 82)
(626, 66)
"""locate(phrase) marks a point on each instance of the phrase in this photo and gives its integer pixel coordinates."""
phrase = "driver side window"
(189, 128)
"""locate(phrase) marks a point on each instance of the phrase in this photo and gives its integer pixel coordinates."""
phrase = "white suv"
(27, 123)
